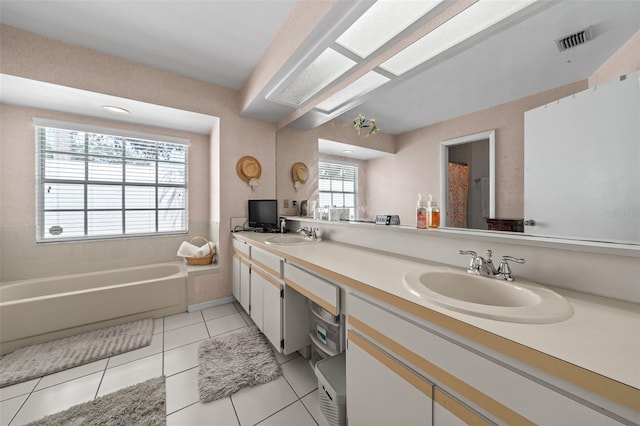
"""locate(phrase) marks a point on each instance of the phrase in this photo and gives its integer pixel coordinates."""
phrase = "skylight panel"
(382, 22)
(471, 21)
(326, 68)
(368, 82)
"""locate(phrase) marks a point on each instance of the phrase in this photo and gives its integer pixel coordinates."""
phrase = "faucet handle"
(472, 264)
(504, 270)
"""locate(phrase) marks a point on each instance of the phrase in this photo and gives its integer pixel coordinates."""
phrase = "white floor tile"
(219, 311)
(18, 389)
(300, 376)
(182, 320)
(181, 359)
(182, 390)
(312, 402)
(293, 415)
(57, 398)
(72, 373)
(214, 413)
(225, 324)
(259, 402)
(184, 336)
(246, 317)
(154, 348)
(158, 326)
(130, 374)
(9, 408)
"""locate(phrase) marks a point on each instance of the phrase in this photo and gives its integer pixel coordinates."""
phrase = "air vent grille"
(573, 40)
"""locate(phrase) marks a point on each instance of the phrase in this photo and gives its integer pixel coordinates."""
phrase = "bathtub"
(38, 310)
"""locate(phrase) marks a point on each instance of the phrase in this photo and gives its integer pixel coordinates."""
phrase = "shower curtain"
(458, 195)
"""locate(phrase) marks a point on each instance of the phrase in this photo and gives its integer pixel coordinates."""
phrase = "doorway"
(467, 176)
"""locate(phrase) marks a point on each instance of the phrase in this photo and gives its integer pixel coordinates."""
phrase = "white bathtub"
(37, 310)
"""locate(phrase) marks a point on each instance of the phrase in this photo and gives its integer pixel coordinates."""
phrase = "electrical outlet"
(237, 222)
(285, 204)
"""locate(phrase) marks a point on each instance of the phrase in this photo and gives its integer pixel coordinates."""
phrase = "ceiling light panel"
(368, 82)
(318, 74)
(382, 22)
(476, 18)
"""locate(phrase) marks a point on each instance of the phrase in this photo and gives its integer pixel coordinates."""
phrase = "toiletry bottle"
(421, 212)
(433, 213)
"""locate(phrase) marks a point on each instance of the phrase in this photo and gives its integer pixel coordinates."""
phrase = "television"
(264, 214)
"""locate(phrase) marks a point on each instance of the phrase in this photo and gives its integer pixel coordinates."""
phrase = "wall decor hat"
(299, 174)
(249, 170)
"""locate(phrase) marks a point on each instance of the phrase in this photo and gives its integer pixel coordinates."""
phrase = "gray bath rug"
(141, 405)
(50, 357)
(231, 362)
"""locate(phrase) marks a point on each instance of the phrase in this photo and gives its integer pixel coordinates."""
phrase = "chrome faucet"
(484, 267)
(312, 233)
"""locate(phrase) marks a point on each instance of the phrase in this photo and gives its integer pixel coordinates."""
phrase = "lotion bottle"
(421, 213)
(433, 213)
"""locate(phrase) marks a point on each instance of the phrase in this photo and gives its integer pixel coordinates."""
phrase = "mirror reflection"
(529, 179)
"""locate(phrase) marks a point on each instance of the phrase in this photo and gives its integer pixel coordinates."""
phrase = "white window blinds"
(94, 185)
(337, 185)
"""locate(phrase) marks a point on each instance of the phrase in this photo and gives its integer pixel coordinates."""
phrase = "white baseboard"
(210, 304)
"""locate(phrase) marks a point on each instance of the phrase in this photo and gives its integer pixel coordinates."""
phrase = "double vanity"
(429, 343)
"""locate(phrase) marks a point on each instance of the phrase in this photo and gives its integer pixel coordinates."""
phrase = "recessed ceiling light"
(365, 84)
(382, 22)
(347, 151)
(476, 18)
(115, 109)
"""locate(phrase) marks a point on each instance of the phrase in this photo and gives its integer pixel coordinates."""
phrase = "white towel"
(484, 196)
(189, 250)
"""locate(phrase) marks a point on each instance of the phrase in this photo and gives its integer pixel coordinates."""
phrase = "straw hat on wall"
(249, 170)
(299, 174)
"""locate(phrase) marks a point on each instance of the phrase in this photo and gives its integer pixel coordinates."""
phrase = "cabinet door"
(235, 277)
(448, 411)
(383, 391)
(257, 285)
(295, 321)
(245, 285)
(272, 312)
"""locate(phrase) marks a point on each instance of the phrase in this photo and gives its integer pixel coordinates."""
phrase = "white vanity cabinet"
(240, 274)
(481, 385)
(319, 290)
(382, 390)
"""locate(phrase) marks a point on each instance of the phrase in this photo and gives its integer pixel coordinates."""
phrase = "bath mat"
(231, 362)
(50, 357)
(141, 405)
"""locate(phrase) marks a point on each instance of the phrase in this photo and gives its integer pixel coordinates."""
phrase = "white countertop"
(602, 336)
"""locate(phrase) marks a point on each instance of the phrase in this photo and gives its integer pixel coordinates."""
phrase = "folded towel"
(188, 250)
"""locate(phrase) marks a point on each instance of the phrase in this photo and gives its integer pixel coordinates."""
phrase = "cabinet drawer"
(494, 389)
(268, 262)
(318, 290)
(241, 248)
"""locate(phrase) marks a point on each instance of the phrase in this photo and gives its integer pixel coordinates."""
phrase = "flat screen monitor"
(263, 214)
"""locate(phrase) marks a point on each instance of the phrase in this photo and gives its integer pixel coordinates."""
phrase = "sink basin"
(290, 240)
(524, 302)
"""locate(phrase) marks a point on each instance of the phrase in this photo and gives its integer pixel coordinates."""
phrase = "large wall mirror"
(396, 165)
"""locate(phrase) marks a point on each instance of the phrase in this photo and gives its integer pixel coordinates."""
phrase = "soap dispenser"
(421, 213)
(433, 213)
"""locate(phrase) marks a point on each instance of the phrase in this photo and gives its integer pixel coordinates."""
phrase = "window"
(95, 183)
(337, 186)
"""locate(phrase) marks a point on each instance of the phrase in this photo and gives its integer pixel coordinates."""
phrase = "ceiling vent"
(573, 40)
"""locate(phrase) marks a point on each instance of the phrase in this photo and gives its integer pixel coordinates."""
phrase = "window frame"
(340, 164)
(41, 124)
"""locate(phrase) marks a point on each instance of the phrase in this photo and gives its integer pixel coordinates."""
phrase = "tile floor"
(291, 399)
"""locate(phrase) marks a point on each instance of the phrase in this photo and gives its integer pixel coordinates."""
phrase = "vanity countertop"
(602, 336)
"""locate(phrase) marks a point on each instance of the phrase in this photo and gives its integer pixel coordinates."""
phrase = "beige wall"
(626, 60)
(32, 56)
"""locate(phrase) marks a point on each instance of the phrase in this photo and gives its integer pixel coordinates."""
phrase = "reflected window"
(101, 184)
(338, 186)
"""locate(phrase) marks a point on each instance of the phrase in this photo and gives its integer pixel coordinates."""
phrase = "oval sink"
(290, 240)
(489, 298)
